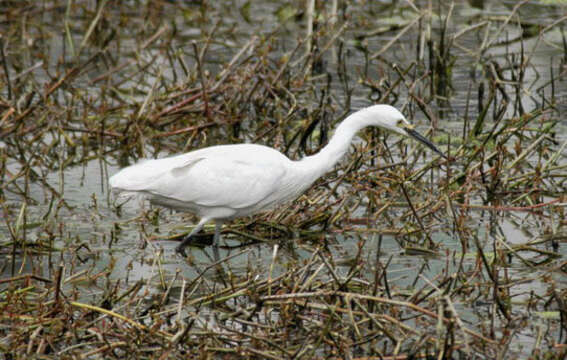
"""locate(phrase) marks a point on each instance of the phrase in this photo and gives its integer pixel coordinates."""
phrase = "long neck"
(325, 160)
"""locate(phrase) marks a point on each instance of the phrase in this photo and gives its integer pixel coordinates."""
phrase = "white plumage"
(222, 182)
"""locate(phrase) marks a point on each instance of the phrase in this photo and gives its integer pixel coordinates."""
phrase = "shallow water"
(97, 244)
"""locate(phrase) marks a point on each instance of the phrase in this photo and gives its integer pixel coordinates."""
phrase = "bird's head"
(390, 118)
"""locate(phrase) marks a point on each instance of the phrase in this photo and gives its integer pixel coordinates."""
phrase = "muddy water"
(93, 240)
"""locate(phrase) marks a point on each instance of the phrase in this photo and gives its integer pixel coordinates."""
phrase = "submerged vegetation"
(396, 254)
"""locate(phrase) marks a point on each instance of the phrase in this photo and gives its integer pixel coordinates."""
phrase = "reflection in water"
(353, 256)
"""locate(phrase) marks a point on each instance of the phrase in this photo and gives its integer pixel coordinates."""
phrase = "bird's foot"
(180, 249)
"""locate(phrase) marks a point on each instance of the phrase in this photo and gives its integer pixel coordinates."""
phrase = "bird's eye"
(400, 123)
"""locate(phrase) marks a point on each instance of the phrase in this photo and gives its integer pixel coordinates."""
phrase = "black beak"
(424, 141)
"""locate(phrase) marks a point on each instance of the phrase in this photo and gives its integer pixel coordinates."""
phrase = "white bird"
(223, 182)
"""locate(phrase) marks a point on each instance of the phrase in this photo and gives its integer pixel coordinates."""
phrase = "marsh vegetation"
(396, 254)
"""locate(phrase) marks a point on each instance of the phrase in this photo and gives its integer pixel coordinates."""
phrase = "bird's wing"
(220, 181)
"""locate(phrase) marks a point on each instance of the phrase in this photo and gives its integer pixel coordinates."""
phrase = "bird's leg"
(180, 249)
(216, 240)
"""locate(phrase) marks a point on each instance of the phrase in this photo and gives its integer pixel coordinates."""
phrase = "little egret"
(223, 182)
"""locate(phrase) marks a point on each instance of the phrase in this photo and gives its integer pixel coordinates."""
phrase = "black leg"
(180, 249)
(216, 240)
(216, 252)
